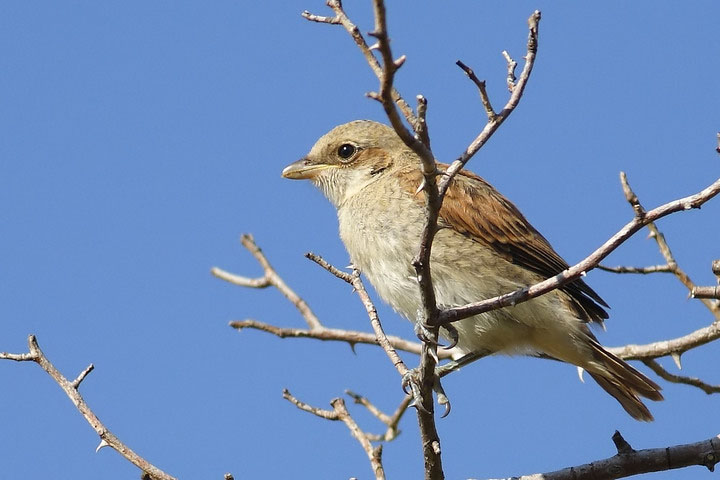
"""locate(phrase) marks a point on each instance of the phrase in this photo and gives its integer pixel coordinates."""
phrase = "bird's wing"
(473, 208)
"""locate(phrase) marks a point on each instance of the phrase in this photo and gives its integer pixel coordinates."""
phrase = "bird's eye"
(346, 151)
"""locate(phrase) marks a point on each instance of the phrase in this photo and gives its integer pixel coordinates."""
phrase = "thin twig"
(346, 277)
(516, 90)
(655, 233)
(340, 413)
(638, 270)
(341, 18)
(671, 377)
(391, 421)
(664, 348)
(351, 337)
(480, 84)
(70, 388)
(270, 278)
(380, 336)
(320, 18)
(421, 128)
(665, 251)
(76, 383)
(511, 66)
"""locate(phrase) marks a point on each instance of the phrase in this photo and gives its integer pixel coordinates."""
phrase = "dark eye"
(346, 151)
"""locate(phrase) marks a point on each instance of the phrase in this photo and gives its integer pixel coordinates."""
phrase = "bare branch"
(480, 84)
(391, 421)
(70, 388)
(516, 94)
(684, 278)
(634, 462)
(76, 383)
(421, 128)
(511, 66)
(340, 413)
(326, 414)
(667, 347)
(706, 292)
(377, 326)
(270, 278)
(640, 270)
(630, 196)
(341, 18)
(359, 287)
(576, 271)
(670, 377)
(330, 268)
(334, 334)
(320, 19)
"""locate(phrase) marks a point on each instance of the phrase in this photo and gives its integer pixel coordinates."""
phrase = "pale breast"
(382, 234)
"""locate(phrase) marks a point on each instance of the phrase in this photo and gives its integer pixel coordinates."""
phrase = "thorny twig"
(340, 413)
(629, 462)
(107, 438)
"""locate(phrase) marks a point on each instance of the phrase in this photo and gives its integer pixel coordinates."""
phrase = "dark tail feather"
(625, 383)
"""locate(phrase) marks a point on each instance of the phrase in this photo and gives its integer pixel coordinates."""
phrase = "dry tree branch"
(639, 270)
(391, 421)
(629, 462)
(516, 92)
(356, 282)
(590, 262)
(340, 413)
(341, 18)
(270, 278)
(706, 292)
(481, 88)
(672, 265)
(675, 346)
(351, 337)
(316, 330)
(107, 438)
(695, 382)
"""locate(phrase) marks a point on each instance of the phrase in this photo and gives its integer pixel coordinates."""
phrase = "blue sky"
(139, 140)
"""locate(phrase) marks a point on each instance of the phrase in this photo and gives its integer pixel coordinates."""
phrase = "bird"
(484, 247)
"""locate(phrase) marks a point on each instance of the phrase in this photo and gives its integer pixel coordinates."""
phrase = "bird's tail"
(624, 383)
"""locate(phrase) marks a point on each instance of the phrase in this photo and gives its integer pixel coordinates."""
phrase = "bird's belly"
(390, 272)
(462, 272)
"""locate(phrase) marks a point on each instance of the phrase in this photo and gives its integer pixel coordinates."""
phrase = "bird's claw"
(451, 334)
(442, 399)
(423, 333)
(412, 380)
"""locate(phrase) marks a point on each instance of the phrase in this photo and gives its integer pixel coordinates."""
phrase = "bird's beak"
(303, 169)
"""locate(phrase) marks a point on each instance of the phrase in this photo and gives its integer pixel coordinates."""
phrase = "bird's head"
(348, 158)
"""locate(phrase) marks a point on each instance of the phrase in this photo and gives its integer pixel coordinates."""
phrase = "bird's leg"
(412, 379)
(422, 332)
(453, 365)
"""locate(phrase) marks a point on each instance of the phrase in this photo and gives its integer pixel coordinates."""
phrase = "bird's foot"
(412, 379)
(425, 335)
(452, 365)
